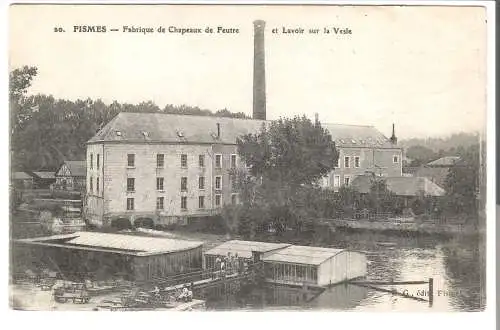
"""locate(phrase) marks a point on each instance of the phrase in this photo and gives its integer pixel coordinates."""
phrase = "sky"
(422, 68)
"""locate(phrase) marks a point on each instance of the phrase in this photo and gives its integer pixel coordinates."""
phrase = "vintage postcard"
(248, 157)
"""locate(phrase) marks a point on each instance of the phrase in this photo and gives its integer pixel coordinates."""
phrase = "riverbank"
(425, 228)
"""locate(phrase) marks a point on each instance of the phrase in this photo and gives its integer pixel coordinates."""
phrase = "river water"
(456, 265)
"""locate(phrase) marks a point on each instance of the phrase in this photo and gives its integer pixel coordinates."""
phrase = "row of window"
(347, 161)
(98, 161)
(160, 183)
(160, 202)
(160, 160)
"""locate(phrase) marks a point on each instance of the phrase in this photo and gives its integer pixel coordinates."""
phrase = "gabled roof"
(358, 136)
(45, 175)
(76, 167)
(244, 248)
(134, 127)
(444, 161)
(309, 255)
(401, 185)
(21, 176)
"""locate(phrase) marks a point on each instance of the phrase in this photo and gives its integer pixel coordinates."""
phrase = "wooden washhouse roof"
(244, 248)
(116, 243)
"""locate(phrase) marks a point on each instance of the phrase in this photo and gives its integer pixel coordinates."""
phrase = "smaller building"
(313, 266)
(246, 250)
(71, 175)
(43, 180)
(22, 180)
(141, 258)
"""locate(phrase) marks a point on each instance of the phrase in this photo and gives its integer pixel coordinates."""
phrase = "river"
(456, 265)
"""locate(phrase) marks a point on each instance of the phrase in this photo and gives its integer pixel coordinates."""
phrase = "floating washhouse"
(313, 266)
(246, 250)
(141, 258)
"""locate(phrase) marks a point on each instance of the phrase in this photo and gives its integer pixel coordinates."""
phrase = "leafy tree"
(289, 152)
(420, 155)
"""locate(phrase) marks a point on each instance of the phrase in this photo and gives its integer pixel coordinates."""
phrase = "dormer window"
(180, 134)
(118, 133)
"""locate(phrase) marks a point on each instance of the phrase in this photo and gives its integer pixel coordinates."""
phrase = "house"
(43, 179)
(362, 149)
(22, 180)
(71, 175)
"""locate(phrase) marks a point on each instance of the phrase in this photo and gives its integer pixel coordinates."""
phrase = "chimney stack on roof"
(259, 71)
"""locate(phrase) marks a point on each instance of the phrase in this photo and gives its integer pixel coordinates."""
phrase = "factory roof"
(170, 128)
(117, 243)
(131, 127)
(244, 248)
(309, 255)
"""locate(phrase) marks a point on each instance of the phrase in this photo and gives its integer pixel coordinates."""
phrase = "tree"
(290, 152)
(286, 159)
(420, 155)
(462, 183)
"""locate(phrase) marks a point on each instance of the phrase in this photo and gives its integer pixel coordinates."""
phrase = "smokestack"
(259, 72)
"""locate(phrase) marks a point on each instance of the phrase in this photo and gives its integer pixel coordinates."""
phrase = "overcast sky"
(420, 67)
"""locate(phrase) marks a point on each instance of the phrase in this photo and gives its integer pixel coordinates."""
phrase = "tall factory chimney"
(259, 71)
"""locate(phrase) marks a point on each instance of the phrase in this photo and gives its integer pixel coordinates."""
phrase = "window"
(356, 161)
(159, 184)
(337, 164)
(91, 161)
(395, 159)
(233, 161)
(98, 161)
(130, 204)
(160, 203)
(234, 199)
(218, 182)
(234, 182)
(97, 185)
(201, 160)
(218, 199)
(130, 160)
(91, 185)
(346, 161)
(201, 182)
(336, 180)
(184, 183)
(130, 184)
(218, 161)
(347, 180)
(160, 160)
(184, 161)
(201, 202)
(184, 202)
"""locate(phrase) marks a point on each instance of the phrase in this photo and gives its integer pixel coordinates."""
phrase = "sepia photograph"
(248, 157)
